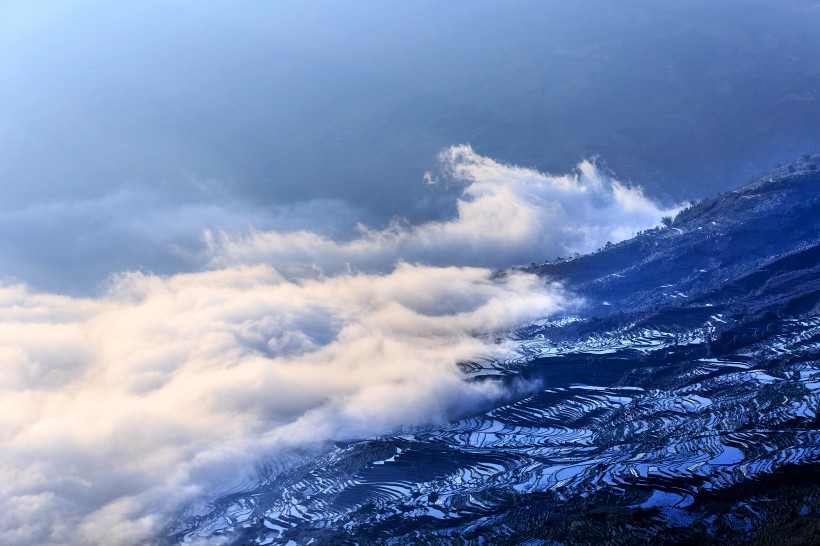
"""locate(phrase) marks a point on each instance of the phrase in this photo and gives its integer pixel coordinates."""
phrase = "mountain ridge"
(680, 403)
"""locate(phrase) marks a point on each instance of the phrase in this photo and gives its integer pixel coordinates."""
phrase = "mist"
(504, 215)
(122, 408)
(232, 235)
(119, 410)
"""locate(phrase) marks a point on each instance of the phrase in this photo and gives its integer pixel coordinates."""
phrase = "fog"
(120, 409)
(505, 215)
(235, 233)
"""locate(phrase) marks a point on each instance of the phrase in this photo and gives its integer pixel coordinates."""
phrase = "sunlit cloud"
(118, 410)
(505, 215)
(121, 409)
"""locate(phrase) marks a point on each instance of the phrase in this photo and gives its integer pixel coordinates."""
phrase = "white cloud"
(118, 410)
(506, 215)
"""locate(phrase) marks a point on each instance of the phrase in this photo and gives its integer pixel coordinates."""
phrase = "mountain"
(678, 403)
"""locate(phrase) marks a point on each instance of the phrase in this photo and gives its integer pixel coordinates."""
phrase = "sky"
(327, 115)
(235, 232)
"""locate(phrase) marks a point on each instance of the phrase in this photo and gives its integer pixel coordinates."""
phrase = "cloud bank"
(117, 410)
(120, 409)
(505, 215)
(142, 228)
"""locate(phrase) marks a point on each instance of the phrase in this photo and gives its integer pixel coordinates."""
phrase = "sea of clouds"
(120, 409)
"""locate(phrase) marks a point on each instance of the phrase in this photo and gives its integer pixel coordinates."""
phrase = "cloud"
(140, 227)
(117, 410)
(120, 409)
(505, 215)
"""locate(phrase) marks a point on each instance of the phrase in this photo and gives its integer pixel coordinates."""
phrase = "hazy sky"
(114, 111)
(231, 230)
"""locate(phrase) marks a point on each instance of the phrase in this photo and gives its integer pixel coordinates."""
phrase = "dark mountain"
(679, 404)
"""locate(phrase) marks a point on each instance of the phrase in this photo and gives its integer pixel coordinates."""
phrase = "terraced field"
(679, 405)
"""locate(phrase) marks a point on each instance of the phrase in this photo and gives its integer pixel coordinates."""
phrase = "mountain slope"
(680, 403)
